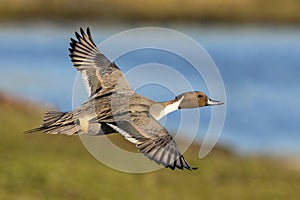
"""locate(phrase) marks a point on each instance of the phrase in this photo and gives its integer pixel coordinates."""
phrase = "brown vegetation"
(193, 10)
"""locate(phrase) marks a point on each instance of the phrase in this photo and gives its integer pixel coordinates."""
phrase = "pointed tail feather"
(55, 122)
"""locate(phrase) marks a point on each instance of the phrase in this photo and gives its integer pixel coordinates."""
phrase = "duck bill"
(211, 102)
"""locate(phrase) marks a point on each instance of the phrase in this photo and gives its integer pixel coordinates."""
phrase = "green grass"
(40, 166)
(286, 11)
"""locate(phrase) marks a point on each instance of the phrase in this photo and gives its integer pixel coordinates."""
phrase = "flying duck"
(113, 107)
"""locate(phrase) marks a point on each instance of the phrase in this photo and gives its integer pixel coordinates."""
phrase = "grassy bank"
(194, 10)
(42, 166)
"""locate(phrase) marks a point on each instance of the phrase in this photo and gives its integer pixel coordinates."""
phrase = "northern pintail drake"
(113, 107)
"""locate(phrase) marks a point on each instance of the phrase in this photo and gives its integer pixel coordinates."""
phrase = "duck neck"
(161, 109)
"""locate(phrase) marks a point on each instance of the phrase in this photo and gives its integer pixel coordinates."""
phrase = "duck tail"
(55, 122)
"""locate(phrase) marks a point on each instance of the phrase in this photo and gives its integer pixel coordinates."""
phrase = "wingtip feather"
(88, 31)
(77, 35)
(82, 31)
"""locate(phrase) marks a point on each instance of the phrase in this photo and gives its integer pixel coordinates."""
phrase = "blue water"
(260, 67)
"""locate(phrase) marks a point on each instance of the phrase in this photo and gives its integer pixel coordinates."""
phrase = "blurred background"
(254, 43)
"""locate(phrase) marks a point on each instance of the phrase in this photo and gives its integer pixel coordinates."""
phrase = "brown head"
(195, 100)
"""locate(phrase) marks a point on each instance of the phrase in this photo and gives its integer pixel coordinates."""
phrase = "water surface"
(260, 67)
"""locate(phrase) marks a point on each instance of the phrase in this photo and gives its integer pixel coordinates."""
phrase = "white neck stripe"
(169, 108)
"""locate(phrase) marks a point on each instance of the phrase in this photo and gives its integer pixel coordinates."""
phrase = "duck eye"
(200, 95)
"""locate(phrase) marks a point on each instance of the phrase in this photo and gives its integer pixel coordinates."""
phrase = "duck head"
(195, 99)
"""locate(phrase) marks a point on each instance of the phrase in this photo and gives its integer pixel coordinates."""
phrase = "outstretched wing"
(152, 140)
(98, 73)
